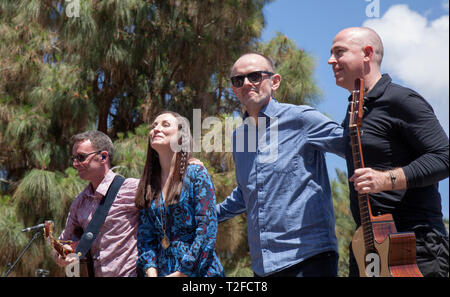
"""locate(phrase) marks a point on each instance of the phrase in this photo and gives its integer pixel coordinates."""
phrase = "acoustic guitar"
(378, 248)
(86, 263)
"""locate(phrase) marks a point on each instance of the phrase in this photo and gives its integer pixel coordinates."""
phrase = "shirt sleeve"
(146, 242)
(323, 133)
(426, 137)
(198, 257)
(232, 206)
(71, 222)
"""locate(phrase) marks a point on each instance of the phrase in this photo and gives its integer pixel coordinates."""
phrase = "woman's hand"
(152, 272)
(194, 161)
(177, 274)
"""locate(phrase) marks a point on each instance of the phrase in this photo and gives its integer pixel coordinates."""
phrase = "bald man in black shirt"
(405, 150)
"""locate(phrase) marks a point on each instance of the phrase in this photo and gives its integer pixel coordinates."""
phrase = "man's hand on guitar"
(368, 180)
(177, 274)
(151, 272)
(63, 262)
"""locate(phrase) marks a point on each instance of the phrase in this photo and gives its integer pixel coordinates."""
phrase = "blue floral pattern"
(191, 226)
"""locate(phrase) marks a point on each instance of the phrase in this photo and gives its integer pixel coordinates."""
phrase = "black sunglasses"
(253, 77)
(82, 157)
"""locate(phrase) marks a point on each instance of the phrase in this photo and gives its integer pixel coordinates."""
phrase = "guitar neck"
(363, 199)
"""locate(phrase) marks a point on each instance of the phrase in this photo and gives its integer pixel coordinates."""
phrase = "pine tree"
(296, 68)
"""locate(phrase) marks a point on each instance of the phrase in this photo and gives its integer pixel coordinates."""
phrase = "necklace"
(165, 243)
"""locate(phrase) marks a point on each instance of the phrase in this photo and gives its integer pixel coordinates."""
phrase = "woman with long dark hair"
(176, 201)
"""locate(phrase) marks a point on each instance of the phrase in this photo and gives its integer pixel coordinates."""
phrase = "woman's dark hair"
(150, 183)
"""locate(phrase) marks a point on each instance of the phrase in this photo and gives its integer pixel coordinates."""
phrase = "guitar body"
(359, 251)
(402, 255)
(86, 267)
(86, 264)
(397, 256)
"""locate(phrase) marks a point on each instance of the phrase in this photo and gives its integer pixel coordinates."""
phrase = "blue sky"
(415, 36)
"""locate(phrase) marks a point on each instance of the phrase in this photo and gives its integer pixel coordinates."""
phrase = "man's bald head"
(263, 60)
(364, 36)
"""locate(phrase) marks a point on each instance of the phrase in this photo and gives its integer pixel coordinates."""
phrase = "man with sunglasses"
(286, 194)
(114, 250)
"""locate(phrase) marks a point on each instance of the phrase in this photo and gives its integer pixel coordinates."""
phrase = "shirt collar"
(103, 187)
(269, 110)
(378, 90)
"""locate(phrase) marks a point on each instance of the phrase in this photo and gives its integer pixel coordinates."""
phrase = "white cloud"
(417, 54)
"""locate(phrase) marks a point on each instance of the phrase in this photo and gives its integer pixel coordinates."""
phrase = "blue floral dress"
(190, 225)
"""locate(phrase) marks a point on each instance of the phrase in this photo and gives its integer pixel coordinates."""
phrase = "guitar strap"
(99, 217)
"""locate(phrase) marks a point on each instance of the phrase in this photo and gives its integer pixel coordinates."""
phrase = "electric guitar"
(86, 264)
(378, 248)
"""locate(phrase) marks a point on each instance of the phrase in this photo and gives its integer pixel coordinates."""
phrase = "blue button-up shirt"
(283, 185)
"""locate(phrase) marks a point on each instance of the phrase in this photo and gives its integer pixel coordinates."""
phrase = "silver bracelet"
(393, 179)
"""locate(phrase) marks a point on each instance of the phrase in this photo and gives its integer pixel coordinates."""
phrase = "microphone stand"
(35, 236)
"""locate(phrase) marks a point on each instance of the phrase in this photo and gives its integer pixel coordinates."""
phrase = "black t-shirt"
(400, 129)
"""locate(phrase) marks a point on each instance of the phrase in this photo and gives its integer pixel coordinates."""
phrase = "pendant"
(165, 242)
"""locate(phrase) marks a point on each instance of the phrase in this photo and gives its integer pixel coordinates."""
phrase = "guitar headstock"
(58, 245)
(356, 105)
(48, 229)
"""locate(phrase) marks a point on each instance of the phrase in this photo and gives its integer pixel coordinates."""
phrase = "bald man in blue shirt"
(282, 180)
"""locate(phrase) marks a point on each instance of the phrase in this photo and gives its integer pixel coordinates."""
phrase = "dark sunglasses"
(82, 157)
(253, 77)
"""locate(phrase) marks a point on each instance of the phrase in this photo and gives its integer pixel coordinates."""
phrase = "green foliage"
(38, 193)
(130, 152)
(344, 224)
(41, 195)
(44, 195)
(12, 240)
(296, 68)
